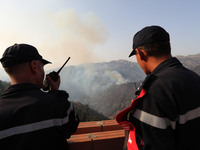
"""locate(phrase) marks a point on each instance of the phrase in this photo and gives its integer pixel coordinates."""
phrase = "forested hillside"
(3, 86)
(87, 114)
(117, 97)
(112, 100)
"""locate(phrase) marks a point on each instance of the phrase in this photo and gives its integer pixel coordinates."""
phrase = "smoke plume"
(57, 35)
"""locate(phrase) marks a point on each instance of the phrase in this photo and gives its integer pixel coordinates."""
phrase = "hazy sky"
(96, 30)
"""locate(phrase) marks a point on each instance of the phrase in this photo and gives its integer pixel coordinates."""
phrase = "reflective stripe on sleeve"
(153, 120)
(190, 115)
(36, 126)
(163, 123)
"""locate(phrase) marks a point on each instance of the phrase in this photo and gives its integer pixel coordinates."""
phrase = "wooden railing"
(97, 135)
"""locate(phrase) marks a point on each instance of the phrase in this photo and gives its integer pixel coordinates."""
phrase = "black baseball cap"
(20, 53)
(147, 35)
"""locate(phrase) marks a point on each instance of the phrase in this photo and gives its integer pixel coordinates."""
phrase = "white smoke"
(57, 35)
(90, 78)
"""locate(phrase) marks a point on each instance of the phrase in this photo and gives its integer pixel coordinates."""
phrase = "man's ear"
(33, 66)
(142, 54)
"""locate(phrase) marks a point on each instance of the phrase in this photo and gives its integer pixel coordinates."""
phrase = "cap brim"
(45, 61)
(132, 53)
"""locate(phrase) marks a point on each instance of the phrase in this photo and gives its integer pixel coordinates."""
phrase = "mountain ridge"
(108, 87)
(117, 97)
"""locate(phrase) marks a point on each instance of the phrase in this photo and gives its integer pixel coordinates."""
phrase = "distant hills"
(87, 79)
(109, 101)
(85, 113)
(113, 99)
(192, 62)
(3, 86)
(108, 87)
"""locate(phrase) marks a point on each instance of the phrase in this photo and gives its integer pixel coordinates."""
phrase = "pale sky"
(96, 30)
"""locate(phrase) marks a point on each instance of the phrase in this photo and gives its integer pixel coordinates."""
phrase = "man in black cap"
(30, 118)
(165, 115)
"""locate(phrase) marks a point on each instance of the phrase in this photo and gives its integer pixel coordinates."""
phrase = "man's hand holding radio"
(53, 85)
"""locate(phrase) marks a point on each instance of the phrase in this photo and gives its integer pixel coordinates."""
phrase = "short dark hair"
(157, 48)
(12, 69)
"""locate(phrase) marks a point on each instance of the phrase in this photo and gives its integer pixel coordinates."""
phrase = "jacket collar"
(152, 76)
(165, 64)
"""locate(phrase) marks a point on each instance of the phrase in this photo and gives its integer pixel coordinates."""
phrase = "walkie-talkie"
(54, 76)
